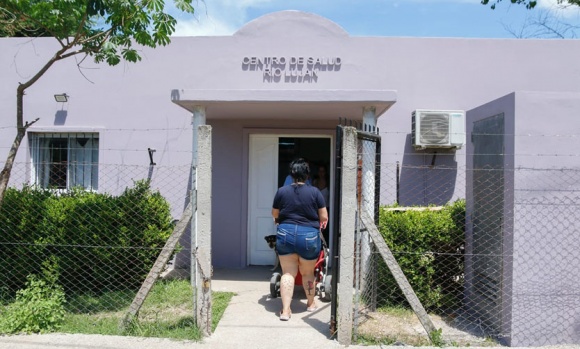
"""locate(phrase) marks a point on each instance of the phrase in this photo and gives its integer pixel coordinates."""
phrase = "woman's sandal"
(312, 308)
(285, 317)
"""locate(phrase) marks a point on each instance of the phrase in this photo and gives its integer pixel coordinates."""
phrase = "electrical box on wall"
(438, 129)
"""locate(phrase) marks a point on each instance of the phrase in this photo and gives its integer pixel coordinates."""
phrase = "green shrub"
(21, 214)
(39, 307)
(103, 242)
(428, 247)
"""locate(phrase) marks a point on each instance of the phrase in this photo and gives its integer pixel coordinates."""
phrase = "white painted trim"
(381, 100)
(66, 129)
(306, 95)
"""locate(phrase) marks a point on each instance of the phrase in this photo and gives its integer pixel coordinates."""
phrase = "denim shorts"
(292, 238)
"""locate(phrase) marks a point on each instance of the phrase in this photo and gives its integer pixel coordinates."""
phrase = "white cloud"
(216, 17)
(224, 17)
(204, 26)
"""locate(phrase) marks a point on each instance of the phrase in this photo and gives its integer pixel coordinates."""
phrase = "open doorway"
(315, 150)
(269, 160)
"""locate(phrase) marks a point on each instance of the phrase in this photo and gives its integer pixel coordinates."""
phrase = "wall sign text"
(291, 69)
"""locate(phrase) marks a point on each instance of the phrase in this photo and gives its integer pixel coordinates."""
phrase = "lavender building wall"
(532, 245)
(137, 106)
(425, 73)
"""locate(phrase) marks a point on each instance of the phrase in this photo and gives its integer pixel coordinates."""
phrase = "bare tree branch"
(28, 124)
(106, 33)
(72, 53)
(545, 24)
(80, 69)
(82, 24)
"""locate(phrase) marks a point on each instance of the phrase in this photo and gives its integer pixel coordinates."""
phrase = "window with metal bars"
(65, 160)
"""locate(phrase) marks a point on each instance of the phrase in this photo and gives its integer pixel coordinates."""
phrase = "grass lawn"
(167, 312)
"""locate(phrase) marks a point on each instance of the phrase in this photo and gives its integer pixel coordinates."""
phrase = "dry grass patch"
(401, 326)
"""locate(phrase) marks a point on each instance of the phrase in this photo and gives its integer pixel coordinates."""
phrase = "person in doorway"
(321, 182)
(300, 212)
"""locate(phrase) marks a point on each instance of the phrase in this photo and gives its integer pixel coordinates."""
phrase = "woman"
(299, 209)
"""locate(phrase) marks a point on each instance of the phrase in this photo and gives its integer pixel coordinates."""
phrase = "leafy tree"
(106, 30)
(10, 26)
(530, 4)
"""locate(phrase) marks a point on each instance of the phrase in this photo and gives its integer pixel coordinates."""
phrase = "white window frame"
(79, 173)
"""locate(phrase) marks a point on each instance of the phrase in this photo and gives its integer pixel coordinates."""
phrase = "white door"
(262, 186)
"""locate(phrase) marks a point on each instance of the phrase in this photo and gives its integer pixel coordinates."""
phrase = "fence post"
(397, 273)
(157, 268)
(198, 119)
(347, 227)
(203, 248)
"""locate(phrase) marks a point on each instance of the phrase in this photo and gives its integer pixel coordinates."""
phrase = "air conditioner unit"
(438, 129)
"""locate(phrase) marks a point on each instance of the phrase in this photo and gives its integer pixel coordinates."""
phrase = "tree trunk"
(7, 170)
(20, 133)
(21, 127)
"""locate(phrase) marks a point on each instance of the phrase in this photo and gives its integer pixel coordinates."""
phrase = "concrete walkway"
(252, 316)
(250, 321)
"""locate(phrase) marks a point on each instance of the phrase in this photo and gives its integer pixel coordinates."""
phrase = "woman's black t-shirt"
(299, 204)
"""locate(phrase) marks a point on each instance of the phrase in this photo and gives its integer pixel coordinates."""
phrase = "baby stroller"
(322, 279)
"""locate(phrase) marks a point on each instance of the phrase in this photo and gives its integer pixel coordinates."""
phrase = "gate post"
(202, 251)
(198, 119)
(347, 229)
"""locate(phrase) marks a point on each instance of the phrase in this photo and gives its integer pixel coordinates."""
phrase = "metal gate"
(368, 194)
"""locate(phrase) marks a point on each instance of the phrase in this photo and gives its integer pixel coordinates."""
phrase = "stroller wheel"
(328, 288)
(275, 285)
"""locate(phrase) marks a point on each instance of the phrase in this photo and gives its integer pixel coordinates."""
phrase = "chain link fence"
(96, 232)
(489, 248)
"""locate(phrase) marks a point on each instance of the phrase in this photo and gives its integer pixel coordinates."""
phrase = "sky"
(401, 18)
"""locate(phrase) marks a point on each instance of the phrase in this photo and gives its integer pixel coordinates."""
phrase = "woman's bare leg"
(289, 265)
(307, 271)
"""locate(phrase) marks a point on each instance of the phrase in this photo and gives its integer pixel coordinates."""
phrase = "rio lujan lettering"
(291, 69)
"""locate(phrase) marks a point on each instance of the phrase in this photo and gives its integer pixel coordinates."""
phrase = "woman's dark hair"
(299, 170)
